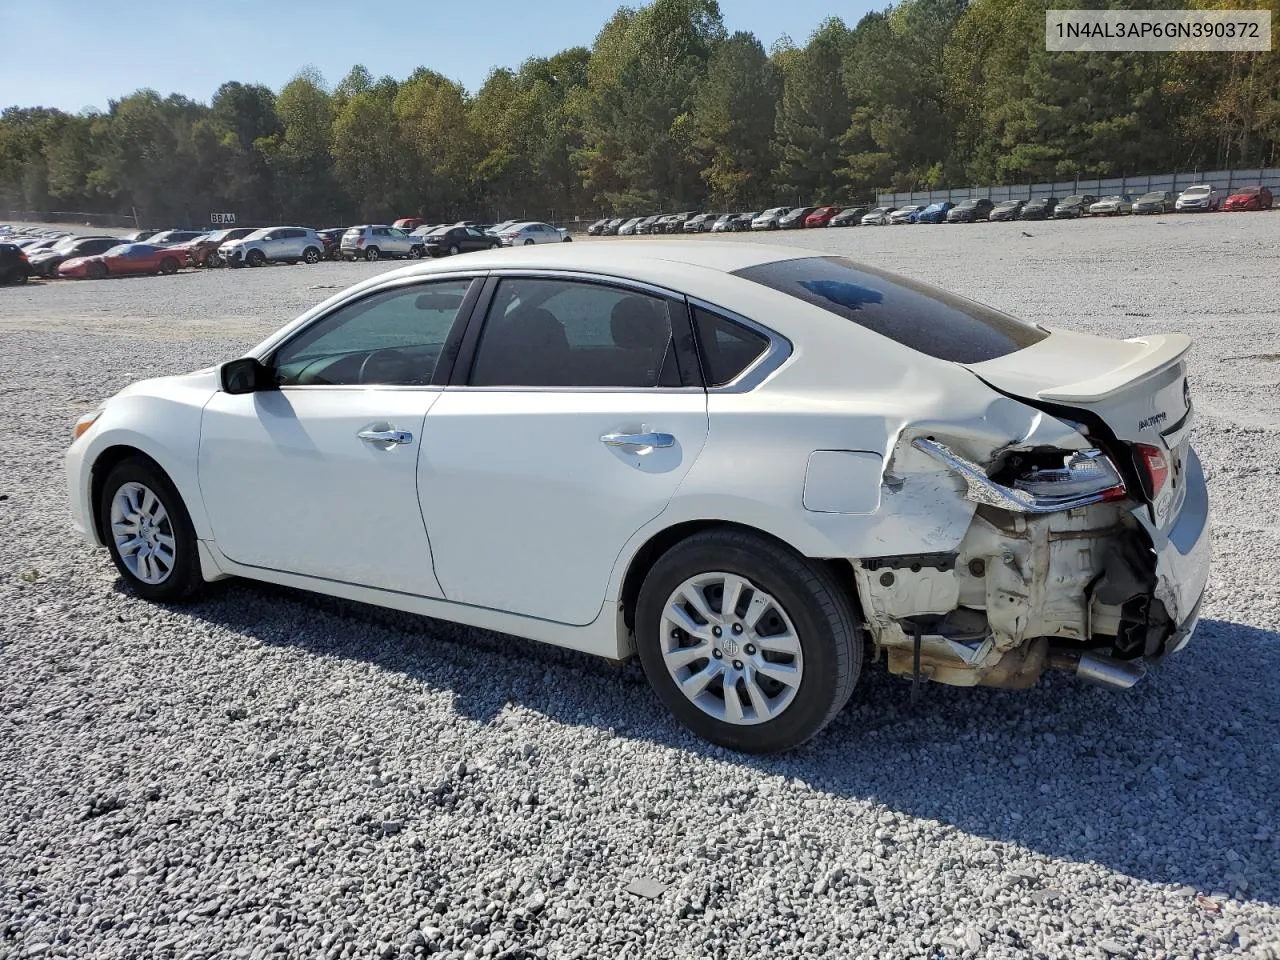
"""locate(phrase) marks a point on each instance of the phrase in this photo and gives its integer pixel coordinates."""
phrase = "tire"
(96, 271)
(528, 243)
(168, 266)
(128, 483)
(372, 254)
(311, 255)
(495, 246)
(415, 252)
(799, 590)
(567, 240)
(453, 250)
(255, 258)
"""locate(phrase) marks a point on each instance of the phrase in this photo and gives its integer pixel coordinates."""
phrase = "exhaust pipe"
(1097, 669)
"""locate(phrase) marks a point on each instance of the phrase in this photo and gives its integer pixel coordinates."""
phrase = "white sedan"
(530, 232)
(753, 466)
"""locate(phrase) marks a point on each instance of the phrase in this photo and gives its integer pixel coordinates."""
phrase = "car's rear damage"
(1088, 555)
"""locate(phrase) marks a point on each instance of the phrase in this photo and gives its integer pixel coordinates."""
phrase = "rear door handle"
(638, 440)
(386, 436)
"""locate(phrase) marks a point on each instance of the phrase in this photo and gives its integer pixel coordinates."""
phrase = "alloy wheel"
(143, 533)
(731, 648)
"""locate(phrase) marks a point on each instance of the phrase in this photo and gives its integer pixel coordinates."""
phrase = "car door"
(576, 414)
(473, 239)
(319, 477)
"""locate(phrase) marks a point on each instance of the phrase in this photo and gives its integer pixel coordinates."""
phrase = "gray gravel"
(272, 773)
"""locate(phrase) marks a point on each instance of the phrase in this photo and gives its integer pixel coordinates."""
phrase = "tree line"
(665, 111)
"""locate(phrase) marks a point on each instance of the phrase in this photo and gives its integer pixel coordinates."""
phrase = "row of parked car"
(1202, 197)
(27, 252)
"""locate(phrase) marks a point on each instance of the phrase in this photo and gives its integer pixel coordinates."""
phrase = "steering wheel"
(386, 366)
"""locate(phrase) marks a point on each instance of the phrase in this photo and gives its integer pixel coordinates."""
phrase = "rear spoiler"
(1075, 369)
(1162, 349)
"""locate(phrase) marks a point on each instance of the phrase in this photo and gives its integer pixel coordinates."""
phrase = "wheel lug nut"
(751, 650)
(737, 664)
(675, 634)
(715, 631)
(716, 653)
(737, 628)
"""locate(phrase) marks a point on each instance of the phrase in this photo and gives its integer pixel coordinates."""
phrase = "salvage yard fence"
(1225, 180)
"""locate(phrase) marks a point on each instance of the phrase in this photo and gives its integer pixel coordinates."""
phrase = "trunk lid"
(1137, 388)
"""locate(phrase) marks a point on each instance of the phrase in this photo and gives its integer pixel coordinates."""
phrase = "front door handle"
(386, 436)
(638, 440)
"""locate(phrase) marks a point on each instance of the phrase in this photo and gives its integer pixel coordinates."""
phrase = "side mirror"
(246, 375)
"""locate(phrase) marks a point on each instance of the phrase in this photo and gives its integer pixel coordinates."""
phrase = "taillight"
(359, 241)
(1155, 467)
(1086, 473)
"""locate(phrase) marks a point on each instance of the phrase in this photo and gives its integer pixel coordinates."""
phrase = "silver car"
(273, 245)
(1111, 206)
(375, 241)
(1199, 197)
(769, 219)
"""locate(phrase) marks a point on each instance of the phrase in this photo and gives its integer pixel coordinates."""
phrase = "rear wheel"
(568, 239)
(750, 645)
(372, 254)
(528, 243)
(168, 265)
(453, 250)
(148, 532)
(311, 255)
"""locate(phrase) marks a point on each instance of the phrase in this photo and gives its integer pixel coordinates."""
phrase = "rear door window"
(556, 333)
(916, 315)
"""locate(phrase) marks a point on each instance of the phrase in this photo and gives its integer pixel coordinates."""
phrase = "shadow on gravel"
(1172, 782)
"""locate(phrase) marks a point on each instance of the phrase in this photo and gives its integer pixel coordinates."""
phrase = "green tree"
(732, 122)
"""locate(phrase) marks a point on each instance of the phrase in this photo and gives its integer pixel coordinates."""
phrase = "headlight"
(88, 420)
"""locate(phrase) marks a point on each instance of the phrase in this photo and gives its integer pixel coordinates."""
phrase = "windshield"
(967, 203)
(1247, 192)
(1156, 195)
(1197, 191)
(916, 315)
(1111, 199)
(119, 251)
(258, 234)
(1072, 200)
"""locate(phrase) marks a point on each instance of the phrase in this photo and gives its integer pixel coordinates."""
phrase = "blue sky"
(75, 54)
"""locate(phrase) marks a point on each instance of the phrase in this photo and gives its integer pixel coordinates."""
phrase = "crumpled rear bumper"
(1183, 557)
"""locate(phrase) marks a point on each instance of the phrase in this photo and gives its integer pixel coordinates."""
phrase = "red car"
(409, 223)
(1250, 198)
(821, 217)
(128, 258)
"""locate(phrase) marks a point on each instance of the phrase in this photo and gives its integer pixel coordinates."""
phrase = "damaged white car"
(753, 466)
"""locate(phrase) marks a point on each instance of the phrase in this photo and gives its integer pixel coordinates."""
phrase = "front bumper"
(232, 258)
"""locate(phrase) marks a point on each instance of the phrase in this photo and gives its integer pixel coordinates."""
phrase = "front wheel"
(256, 258)
(311, 255)
(96, 271)
(528, 243)
(415, 252)
(750, 645)
(168, 266)
(568, 239)
(148, 532)
(453, 250)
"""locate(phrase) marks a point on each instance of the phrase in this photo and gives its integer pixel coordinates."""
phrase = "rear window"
(916, 315)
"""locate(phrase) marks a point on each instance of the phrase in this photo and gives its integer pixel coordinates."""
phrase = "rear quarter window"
(916, 315)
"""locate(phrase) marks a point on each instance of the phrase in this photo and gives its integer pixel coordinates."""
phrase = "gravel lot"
(272, 773)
